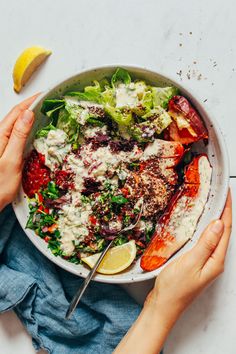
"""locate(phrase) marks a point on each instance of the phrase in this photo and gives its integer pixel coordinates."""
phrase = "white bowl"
(216, 151)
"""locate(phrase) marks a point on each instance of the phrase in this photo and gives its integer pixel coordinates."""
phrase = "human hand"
(184, 278)
(14, 130)
(177, 286)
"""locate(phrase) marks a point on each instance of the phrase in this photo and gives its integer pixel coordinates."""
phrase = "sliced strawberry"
(187, 126)
(179, 222)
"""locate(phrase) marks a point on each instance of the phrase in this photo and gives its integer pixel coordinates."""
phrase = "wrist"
(165, 310)
(150, 330)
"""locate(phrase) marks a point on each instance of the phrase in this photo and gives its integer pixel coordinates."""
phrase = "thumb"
(19, 134)
(208, 242)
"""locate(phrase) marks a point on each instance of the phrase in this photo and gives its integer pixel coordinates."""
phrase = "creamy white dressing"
(82, 111)
(54, 147)
(151, 150)
(144, 225)
(187, 212)
(74, 217)
(97, 163)
(129, 95)
(73, 225)
(73, 100)
(90, 132)
(90, 163)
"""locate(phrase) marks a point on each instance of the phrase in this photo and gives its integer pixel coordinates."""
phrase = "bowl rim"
(194, 98)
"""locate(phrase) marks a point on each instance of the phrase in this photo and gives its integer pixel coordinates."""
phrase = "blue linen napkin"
(40, 292)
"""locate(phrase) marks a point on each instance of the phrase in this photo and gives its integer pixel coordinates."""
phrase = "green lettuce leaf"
(142, 132)
(74, 111)
(83, 115)
(50, 106)
(67, 123)
(44, 131)
(162, 95)
(108, 97)
(86, 96)
(120, 117)
(96, 88)
(119, 199)
(159, 118)
(121, 76)
(91, 93)
(145, 104)
(95, 121)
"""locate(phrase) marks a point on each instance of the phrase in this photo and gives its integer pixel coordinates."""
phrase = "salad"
(103, 150)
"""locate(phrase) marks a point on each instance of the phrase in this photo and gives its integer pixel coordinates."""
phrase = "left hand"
(14, 130)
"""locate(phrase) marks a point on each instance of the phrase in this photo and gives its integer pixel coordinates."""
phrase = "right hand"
(184, 278)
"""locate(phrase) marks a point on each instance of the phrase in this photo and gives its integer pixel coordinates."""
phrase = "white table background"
(193, 42)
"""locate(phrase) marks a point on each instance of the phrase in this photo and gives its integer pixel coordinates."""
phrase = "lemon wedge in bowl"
(116, 259)
(26, 64)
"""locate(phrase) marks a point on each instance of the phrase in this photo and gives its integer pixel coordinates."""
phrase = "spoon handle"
(86, 282)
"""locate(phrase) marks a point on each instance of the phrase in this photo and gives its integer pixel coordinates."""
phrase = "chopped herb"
(51, 192)
(119, 199)
(54, 246)
(84, 199)
(120, 240)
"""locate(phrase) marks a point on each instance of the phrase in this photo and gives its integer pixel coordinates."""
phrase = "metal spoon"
(84, 285)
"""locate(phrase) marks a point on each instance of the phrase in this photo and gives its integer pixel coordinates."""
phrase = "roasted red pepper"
(187, 126)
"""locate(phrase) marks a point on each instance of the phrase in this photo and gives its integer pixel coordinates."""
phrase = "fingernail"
(217, 226)
(27, 116)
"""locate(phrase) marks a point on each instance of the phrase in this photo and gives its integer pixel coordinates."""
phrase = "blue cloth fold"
(40, 292)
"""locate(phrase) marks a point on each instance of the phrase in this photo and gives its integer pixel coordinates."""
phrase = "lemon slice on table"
(117, 258)
(26, 64)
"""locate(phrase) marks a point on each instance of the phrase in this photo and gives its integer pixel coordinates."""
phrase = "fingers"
(7, 123)
(221, 250)
(21, 129)
(208, 242)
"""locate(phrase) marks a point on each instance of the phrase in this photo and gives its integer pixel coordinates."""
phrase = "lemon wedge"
(117, 258)
(26, 64)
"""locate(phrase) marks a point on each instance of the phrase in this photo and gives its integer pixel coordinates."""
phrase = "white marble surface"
(197, 37)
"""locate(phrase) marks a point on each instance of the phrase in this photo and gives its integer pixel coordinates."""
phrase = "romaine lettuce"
(44, 131)
(108, 97)
(162, 95)
(50, 106)
(85, 113)
(74, 111)
(135, 106)
(157, 120)
(91, 93)
(144, 105)
(159, 117)
(86, 96)
(120, 117)
(142, 132)
(67, 123)
(121, 76)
